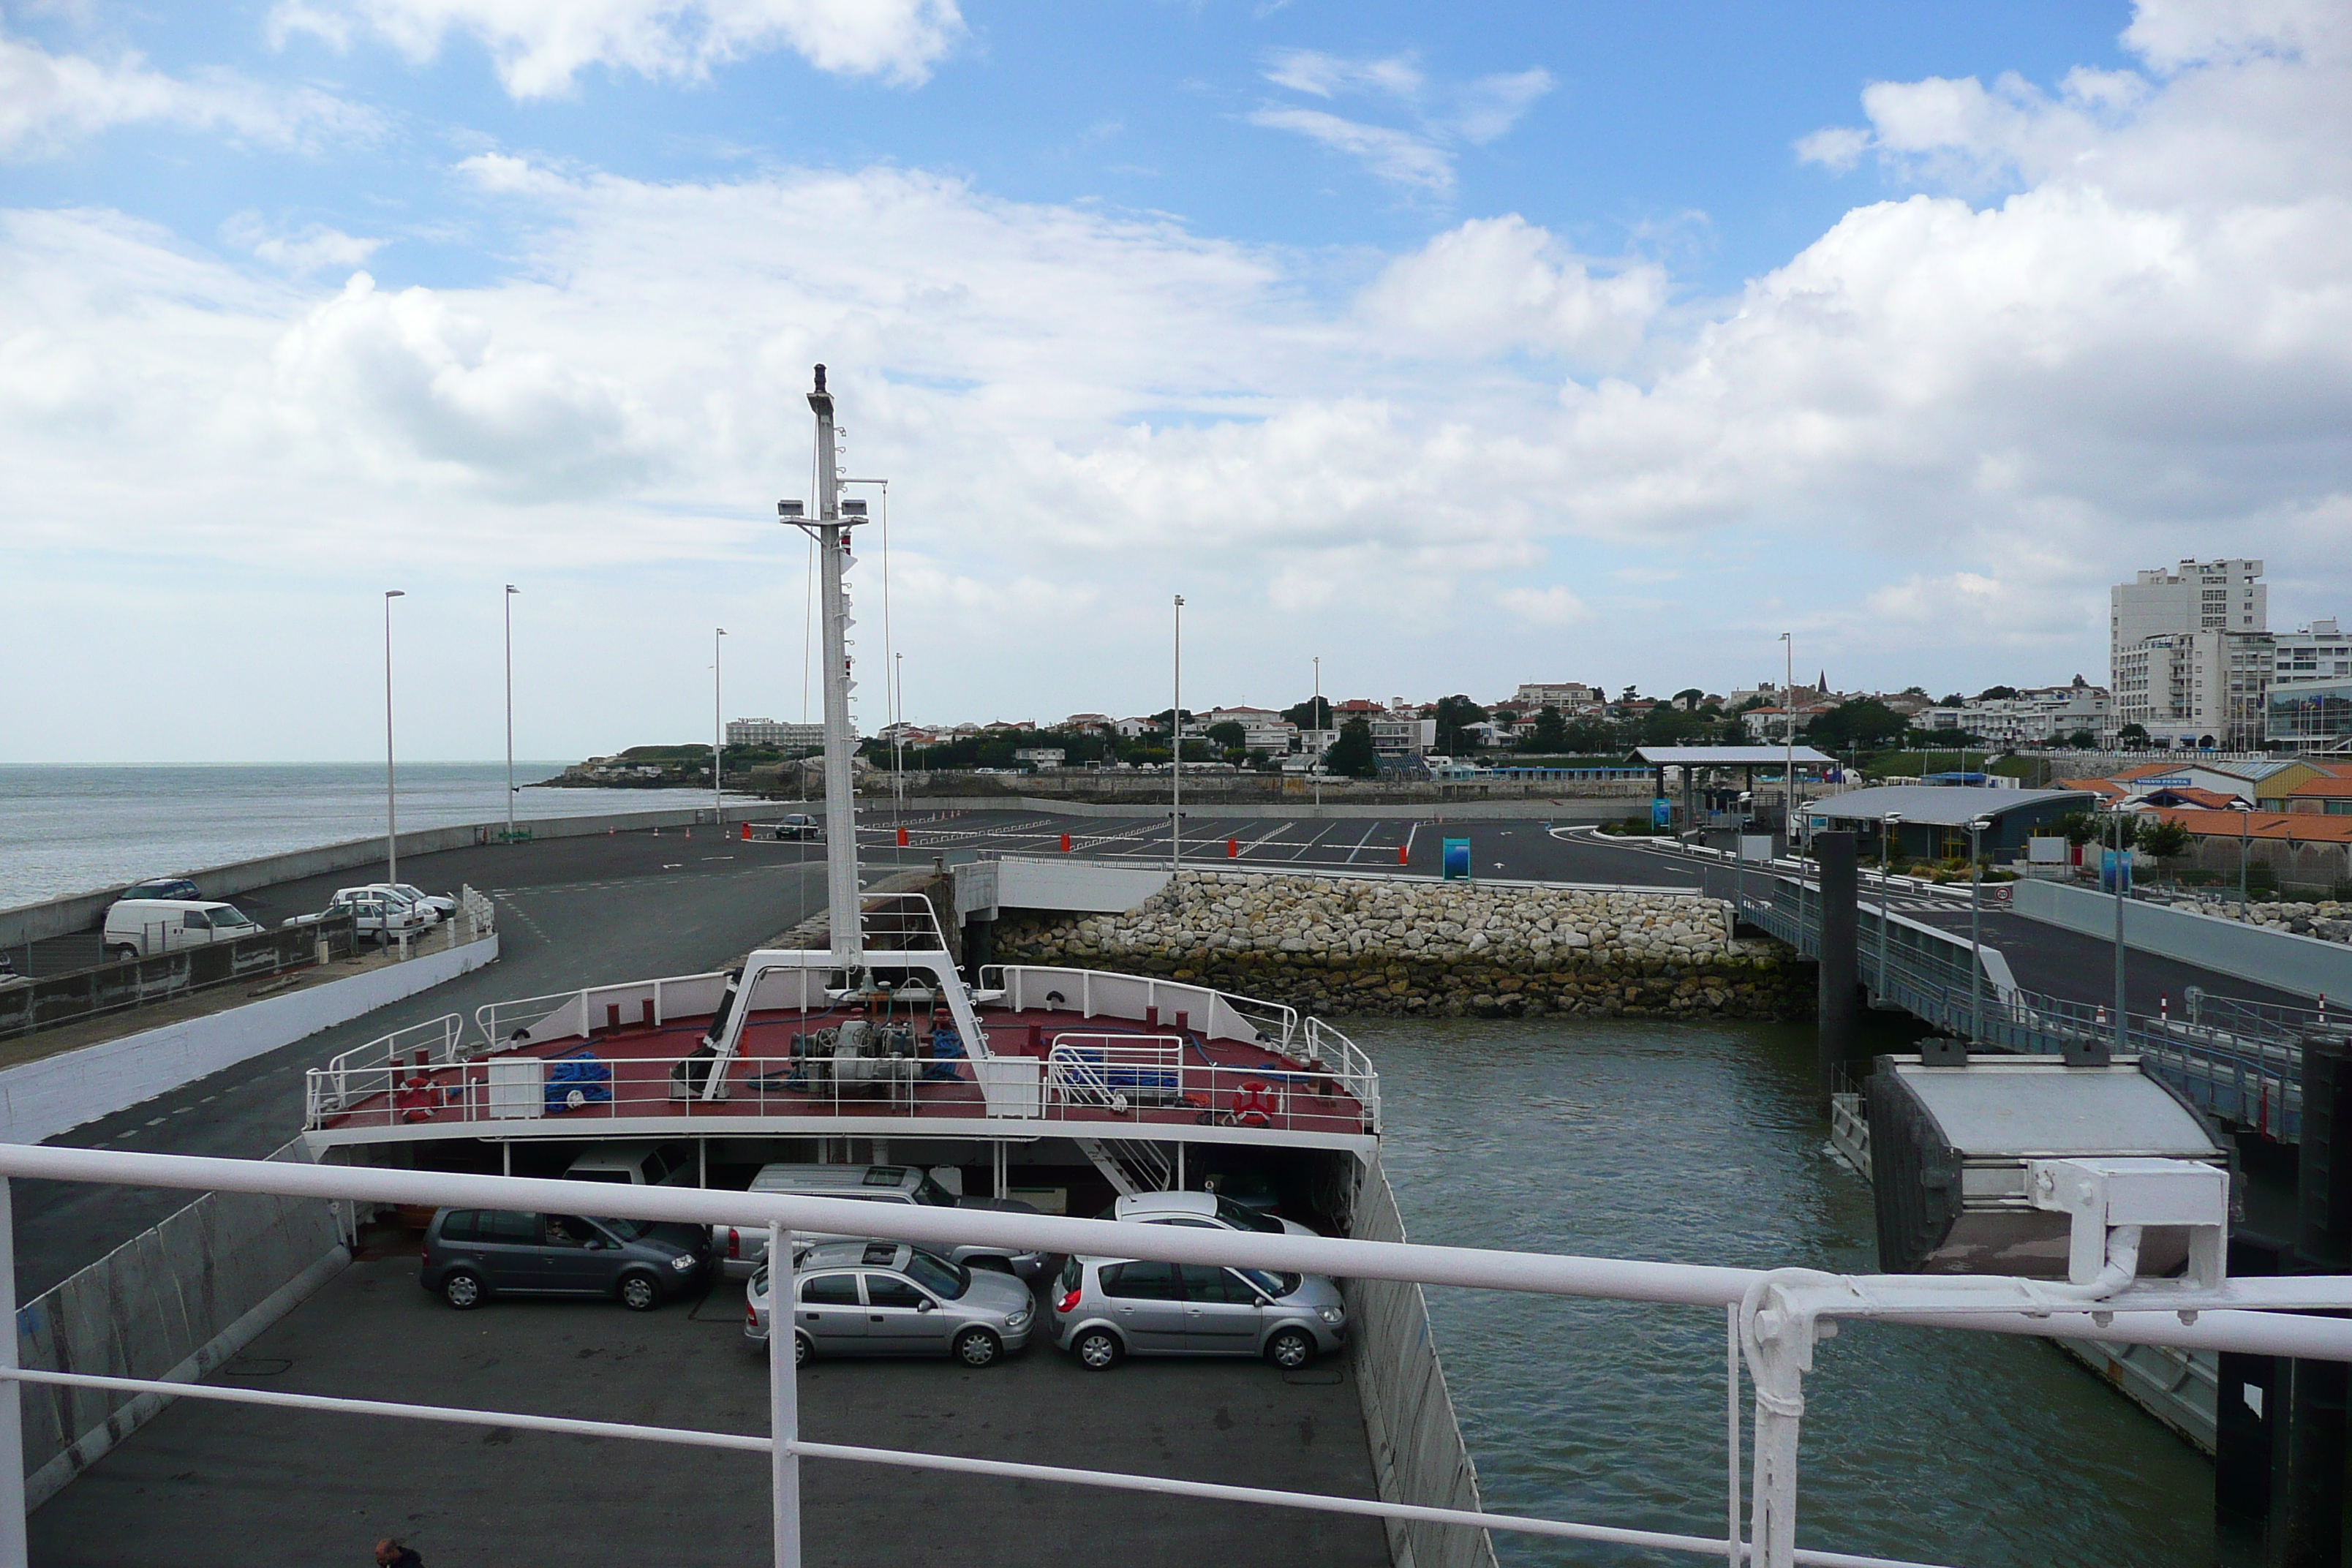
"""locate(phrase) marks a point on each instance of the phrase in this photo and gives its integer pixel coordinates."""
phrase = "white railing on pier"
(1773, 1319)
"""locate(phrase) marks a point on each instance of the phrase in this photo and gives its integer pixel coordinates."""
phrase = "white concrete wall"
(41, 1100)
(2301, 965)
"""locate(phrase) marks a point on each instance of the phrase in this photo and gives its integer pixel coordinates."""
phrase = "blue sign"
(2183, 782)
(1662, 812)
(2115, 871)
(1455, 863)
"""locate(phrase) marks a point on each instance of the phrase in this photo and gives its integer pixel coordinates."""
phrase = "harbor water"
(1699, 1143)
(70, 829)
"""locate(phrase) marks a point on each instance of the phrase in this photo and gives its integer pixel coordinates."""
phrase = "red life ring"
(1255, 1096)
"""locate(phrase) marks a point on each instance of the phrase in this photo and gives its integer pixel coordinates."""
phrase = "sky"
(1455, 347)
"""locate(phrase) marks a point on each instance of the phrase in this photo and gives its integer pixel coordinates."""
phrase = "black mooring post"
(2248, 1410)
(2311, 1515)
(1840, 1007)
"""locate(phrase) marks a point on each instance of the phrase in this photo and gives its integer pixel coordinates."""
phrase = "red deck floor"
(1220, 1079)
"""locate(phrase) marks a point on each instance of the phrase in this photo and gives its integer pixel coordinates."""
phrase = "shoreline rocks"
(1365, 946)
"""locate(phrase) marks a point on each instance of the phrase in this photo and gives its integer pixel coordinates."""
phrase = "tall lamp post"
(2245, 831)
(2122, 869)
(1887, 826)
(1315, 767)
(1976, 928)
(718, 731)
(511, 592)
(1789, 744)
(898, 733)
(1176, 751)
(390, 799)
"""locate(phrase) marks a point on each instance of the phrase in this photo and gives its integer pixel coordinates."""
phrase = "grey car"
(471, 1255)
(1107, 1309)
(885, 1298)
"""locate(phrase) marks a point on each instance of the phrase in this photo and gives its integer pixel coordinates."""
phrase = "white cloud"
(1397, 156)
(1499, 285)
(539, 45)
(50, 102)
(315, 247)
(1444, 114)
(1552, 606)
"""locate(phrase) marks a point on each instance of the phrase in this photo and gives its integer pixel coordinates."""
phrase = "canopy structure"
(1694, 760)
(1931, 820)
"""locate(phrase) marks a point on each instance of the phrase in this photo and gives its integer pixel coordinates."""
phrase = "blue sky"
(1460, 347)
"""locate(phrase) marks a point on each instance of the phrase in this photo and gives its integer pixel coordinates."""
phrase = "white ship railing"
(436, 1038)
(1107, 994)
(1773, 1321)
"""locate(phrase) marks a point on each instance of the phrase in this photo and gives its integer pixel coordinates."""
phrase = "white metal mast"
(840, 891)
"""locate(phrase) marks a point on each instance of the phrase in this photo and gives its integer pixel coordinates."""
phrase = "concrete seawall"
(42, 1099)
(81, 912)
(1340, 945)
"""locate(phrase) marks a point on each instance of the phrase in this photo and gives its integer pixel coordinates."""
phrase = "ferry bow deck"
(1065, 1053)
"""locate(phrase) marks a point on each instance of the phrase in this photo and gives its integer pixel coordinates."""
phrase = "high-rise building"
(2189, 653)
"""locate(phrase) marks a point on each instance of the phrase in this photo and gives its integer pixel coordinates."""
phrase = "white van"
(141, 928)
(742, 1251)
(634, 1165)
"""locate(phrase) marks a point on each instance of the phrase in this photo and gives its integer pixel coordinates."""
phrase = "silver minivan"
(885, 1298)
(1107, 1309)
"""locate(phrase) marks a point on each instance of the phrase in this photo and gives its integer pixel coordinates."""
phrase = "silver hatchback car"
(1106, 1309)
(885, 1298)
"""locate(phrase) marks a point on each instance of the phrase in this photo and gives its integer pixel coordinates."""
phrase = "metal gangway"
(1774, 1321)
(2241, 1061)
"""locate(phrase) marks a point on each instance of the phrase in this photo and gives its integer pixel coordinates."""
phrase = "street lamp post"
(1976, 928)
(718, 731)
(391, 797)
(1887, 826)
(1315, 767)
(2122, 820)
(511, 592)
(1176, 751)
(1789, 745)
(899, 734)
(2245, 821)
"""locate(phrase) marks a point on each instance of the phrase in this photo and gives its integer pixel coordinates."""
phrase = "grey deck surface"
(240, 1487)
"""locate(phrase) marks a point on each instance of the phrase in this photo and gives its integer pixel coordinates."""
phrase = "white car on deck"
(1201, 1211)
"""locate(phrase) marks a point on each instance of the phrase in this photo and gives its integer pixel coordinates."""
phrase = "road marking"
(157, 1122)
(208, 1099)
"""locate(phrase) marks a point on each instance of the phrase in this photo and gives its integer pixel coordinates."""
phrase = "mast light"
(791, 511)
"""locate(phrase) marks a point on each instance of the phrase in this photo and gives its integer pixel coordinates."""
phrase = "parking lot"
(245, 1487)
(1402, 842)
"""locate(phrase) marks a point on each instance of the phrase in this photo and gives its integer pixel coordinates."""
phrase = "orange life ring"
(1255, 1096)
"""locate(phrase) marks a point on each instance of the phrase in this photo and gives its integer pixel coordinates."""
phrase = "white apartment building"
(2037, 716)
(771, 733)
(1402, 734)
(2319, 651)
(2204, 689)
(1567, 696)
(2195, 596)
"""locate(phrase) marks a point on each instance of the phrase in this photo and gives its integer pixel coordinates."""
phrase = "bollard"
(1065, 844)
(1403, 857)
(902, 838)
(747, 833)
(1232, 848)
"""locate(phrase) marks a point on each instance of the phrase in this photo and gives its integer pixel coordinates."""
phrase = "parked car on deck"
(1107, 1309)
(141, 928)
(634, 1165)
(741, 1248)
(797, 825)
(1203, 1211)
(471, 1255)
(382, 915)
(441, 905)
(884, 1298)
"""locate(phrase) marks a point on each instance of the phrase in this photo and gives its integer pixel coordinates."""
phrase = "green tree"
(1315, 713)
(2163, 840)
(1455, 714)
(2132, 736)
(1229, 734)
(1998, 694)
(2079, 826)
(2083, 740)
(1547, 736)
(1351, 756)
(1866, 722)
(1590, 738)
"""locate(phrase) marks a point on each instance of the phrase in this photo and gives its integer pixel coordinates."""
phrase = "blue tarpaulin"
(582, 1073)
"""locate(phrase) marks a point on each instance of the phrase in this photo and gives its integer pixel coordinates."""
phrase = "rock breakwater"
(1364, 945)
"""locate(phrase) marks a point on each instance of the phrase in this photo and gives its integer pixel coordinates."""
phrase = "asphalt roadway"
(234, 1486)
